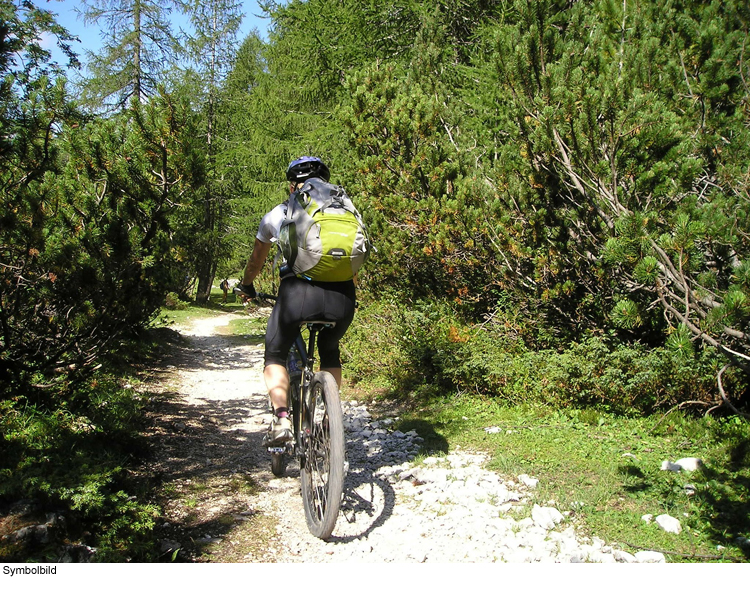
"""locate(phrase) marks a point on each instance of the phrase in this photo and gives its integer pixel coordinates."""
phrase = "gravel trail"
(443, 509)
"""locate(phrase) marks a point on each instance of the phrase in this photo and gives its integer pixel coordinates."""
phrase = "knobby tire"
(322, 476)
(278, 464)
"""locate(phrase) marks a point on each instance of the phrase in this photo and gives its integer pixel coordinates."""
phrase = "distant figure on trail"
(224, 286)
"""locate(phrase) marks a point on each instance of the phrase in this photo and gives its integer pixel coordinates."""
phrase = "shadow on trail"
(206, 455)
(207, 468)
(369, 498)
(201, 441)
(211, 352)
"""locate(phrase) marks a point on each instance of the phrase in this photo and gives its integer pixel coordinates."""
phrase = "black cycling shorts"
(300, 300)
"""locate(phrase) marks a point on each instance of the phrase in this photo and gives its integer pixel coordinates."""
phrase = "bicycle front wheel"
(322, 476)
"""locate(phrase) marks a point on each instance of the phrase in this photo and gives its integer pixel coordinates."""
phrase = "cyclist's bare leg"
(277, 382)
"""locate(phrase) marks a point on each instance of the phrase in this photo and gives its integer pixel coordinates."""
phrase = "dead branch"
(681, 555)
(725, 400)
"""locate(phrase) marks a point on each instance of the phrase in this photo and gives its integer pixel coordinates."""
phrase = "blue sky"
(90, 38)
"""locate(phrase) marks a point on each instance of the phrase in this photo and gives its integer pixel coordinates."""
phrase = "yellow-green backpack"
(323, 237)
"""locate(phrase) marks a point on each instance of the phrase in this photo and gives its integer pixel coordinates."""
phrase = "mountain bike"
(319, 440)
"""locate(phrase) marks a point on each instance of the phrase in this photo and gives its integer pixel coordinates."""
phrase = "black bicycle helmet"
(305, 167)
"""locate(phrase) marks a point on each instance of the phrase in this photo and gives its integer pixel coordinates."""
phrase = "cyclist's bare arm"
(256, 261)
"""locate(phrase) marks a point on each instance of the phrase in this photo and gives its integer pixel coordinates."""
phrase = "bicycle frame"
(298, 392)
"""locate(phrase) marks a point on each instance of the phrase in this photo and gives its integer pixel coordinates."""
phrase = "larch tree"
(211, 49)
(138, 44)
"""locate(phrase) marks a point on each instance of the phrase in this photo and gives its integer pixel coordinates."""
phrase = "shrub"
(427, 348)
(174, 302)
(76, 460)
(372, 350)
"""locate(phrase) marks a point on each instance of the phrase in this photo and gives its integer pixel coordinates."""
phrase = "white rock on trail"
(649, 556)
(689, 464)
(670, 466)
(669, 524)
(445, 508)
(546, 517)
(528, 480)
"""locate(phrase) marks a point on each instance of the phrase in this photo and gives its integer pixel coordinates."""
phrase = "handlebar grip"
(258, 295)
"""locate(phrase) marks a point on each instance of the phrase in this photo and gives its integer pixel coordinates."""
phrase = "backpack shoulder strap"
(287, 220)
(322, 193)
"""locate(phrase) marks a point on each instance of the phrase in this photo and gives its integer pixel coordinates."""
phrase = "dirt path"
(206, 435)
(222, 504)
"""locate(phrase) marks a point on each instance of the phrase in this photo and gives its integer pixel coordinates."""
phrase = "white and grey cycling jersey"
(271, 224)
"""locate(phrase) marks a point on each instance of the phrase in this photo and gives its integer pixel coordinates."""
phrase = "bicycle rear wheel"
(322, 476)
(278, 464)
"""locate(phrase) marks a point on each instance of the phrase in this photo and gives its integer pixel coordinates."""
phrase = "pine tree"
(33, 107)
(90, 237)
(630, 130)
(138, 45)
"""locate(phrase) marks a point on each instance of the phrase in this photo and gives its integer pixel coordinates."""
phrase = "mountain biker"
(298, 300)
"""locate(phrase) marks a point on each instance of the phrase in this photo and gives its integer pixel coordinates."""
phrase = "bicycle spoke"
(318, 460)
(322, 479)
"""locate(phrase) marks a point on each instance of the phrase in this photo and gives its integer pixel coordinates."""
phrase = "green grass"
(579, 458)
(181, 317)
(193, 312)
(252, 327)
(190, 311)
